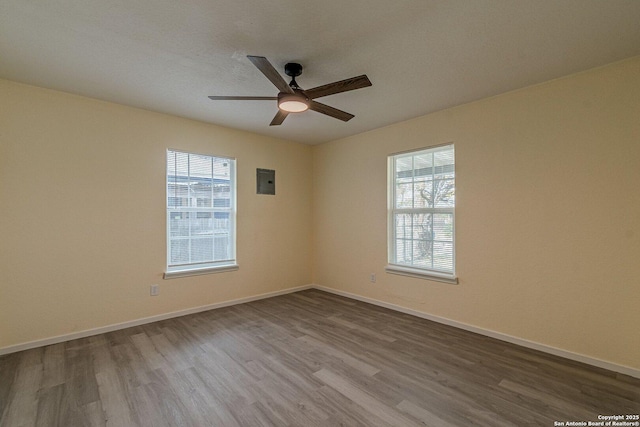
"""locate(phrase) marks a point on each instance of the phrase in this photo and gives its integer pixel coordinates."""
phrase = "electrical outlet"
(373, 278)
(155, 290)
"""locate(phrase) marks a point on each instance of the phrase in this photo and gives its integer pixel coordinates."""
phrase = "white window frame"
(208, 267)
(395, 267)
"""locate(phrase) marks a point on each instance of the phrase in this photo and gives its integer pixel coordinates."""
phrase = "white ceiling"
(420, 55)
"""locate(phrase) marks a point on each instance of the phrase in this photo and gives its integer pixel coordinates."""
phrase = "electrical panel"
(266, 179)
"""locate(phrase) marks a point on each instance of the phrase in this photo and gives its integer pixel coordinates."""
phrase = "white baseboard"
(632, 372)
(493, 334)
(117, 326)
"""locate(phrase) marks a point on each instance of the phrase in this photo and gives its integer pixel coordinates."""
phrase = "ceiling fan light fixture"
(293, 102)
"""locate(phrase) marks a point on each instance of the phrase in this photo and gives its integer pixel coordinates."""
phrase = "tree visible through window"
(421, 210)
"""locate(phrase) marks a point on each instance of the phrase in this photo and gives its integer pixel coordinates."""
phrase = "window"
(201, 214)
(421, 213)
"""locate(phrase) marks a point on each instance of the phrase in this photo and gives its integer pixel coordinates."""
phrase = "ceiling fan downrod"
(293, 70)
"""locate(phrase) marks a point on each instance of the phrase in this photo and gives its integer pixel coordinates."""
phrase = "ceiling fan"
(292, 98)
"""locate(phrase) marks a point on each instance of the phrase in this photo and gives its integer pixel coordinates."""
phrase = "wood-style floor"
(304, 359)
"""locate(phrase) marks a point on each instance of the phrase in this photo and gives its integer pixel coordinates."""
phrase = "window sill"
(421, 274)
(199, 271)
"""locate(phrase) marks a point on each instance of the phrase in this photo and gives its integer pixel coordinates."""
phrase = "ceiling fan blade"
(279, 118)
(338, 87)
(243, 98)
(330, 111)
(269, 72)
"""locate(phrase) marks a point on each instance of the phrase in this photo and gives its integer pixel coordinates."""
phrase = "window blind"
(200, 211)
(421, 209)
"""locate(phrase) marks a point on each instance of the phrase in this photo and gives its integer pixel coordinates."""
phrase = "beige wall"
(548, 214)
(82, 230)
